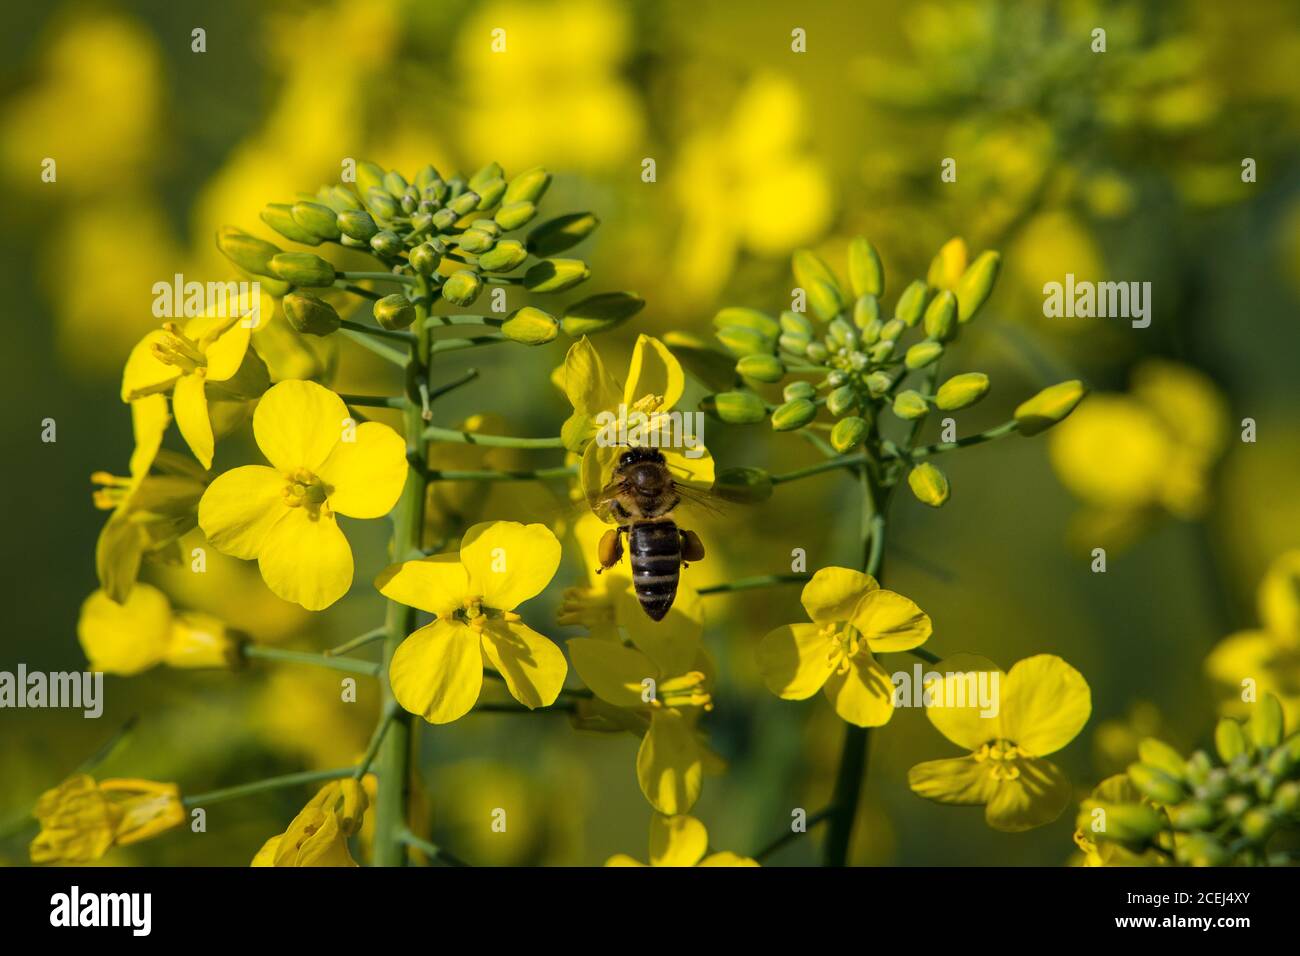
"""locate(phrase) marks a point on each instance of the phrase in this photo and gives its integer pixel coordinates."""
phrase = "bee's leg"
(692, 547)
(610, 549)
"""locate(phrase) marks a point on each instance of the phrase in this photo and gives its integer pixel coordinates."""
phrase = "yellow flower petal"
(672, 643)
(613, 672)
(865, 695)
(727, 858)
(190, 406)
(307, 559)
(438, 584)
(1241, 655)
(833, 594)
(509, 562)
(1045, 703)
(963, 781)
(125, 638)
(590, 389)
(695, 472)
(437, 672)
(534, 668)
(677, 841)
(297, 424)
(622, 859)
(239, 509)
(226, 354)
(653, 371)
(149, 421)
(270, 849)
(891, 622)
(1036, 797)
(366, 475)
(1279, 598)
(144, 374)
(669, 764)
(965, 726)
(796, 660)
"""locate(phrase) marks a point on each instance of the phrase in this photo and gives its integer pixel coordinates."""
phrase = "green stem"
(258, 652)
(457, 345)
(792, 835)
(442, 321)
(849, 461)
(432, 851)
(376, 740)
(367, 638)
(992, 434)
(260, 786)
(393, 334)
(365, 340)
(493, 707)
(385, 277)
(539, 474)
(374, 401)
(433, 433)
(762, 581)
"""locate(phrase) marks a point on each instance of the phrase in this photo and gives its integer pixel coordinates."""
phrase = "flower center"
(846, 643)
(1003, 758)
(648, 403)
(113, 490)
(589, 607)
(178, 349)
(302, 489)
(474, 613)
(687, 690)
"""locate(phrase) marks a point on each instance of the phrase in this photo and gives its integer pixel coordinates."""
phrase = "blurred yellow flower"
(318, 836)
(852, 617)
(143, 631)
(1042, 705)
(680, 841)
(1113, 790)
(437, 672)
(81, 819)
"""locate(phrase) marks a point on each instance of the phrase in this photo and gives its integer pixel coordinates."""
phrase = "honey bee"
(641, 497)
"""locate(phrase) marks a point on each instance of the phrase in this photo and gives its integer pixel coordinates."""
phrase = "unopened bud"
(1155, 784)
(848, 433)
(563, 232)
(929, 484)
(528, 186)
(279, 216)
(976, 283)
(310, 315)
(735, 408)
(599, 313)
(394, 312)
(1049, 406)
(555, 275)
(531, 326)
(504, 256)
(303, 269)
(841, 400)
(961, 391)
(761, 368)
(941, 317)
(910, 405)
(248, 252)
(463, 287)
(357, 224)
(922, 354)
(866, 274)
(911, 304)
(793, 415)
(425, 259)
(797, 390)
(387, 244)
(318, 219)
(514, 215)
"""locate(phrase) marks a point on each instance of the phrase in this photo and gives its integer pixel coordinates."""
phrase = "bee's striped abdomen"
(655, 551)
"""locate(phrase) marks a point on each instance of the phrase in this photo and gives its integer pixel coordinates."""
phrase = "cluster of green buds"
(1200, 811)
(451, 236)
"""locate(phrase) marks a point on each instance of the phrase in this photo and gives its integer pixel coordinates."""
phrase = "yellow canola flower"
(852, 617)
(208, 360)
(654, 385)
(659, 687)
(1112, 790)
(143, 631)
(81, 819)
(680, 841)
(318, 836)
(437, 672)
(149, 511)
(1042, 705)
(286, 516)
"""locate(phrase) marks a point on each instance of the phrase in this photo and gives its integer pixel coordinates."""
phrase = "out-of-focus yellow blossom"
(437, 672)
(680, 841)
(659, 687)
(560, 58)
(1115, 742)
(81, 819)
(323, 464)
(852, 617)
(316, 729)
(143, 631)
(206, 361)
(150, 512)
(655, 382)
(748, 184)
(452, 506)
(95, 108)
(318, 836)
(1113, 790)
(1042, 705)
(1132, 456)
(1266, 660)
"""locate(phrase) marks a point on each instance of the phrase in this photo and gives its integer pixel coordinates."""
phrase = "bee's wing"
(706, 501)
(604, 501)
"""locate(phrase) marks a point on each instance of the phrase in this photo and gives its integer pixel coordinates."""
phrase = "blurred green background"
(1124, 165)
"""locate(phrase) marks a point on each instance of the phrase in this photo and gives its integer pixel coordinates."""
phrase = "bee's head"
(644, 469)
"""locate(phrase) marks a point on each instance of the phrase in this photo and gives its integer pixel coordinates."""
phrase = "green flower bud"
(506, 255)
(310, 315)
(303, 269)
(513, 215)
(555, 275)
(443, 220)
(1265, 724)
(426, 177)
(1051, 405)
(871, 332)
(866, 274)
(741, 341)
(369, 176)
(793, 343)
(796, 324)
(961, 391)
(1258, 824)
(1155, 784)
(475, 241)
(1286, 799)
(485, 175)
(279, 217)
(357, 224)
(1158, 754)
(394, 312)
(817, 352)
(976, 283)
(841, 333)
(848, 433)
(738, 316)
(489, 194)
(761, 368)
(395, 183)
(824, 299)
(892, 329)
(1229, 740)
(929, 484)
(1198, 768)
(910, 405)
(528, 186)
(387, 244)
(797, 390)
(563, 232)
(1200, 849)
(941, 317)
(1235, 804)
(465, 203)
(810, 272)
(881, 351)
(746, 486)
(381, 205)
(911, 304)
(248, 252)
(1191, 815)
(489, 226)
(841, 400)
(735, 408)
(922, 354)
(425, 259)
(342, 198)
(866, 311)
(793, 415)
(531, 326)
(878, 383)
(1133, 824)
(463, 287)
(600, 312)
(316, 218)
